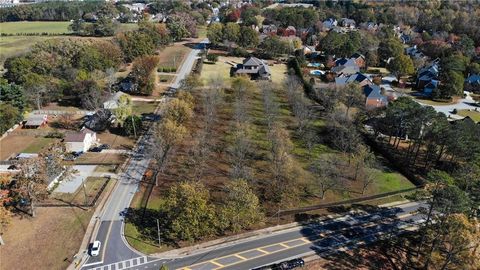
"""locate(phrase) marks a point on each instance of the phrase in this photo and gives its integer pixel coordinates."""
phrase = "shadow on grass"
(145, 221)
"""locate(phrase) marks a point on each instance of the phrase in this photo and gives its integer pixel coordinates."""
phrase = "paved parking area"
(73, 183)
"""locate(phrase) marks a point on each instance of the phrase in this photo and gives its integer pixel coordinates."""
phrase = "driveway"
(72, 184)
(468, 103)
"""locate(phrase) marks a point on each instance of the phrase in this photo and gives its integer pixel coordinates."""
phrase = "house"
(359, 59)
(414, 53)
(404, 38)
(374, 97)
(135, 7)
(348, 23)
(432, 85)
(426, 74)
(346, 66)
(80, 141)
(99, 121)
(473, 80)
(35, 121)
(255, 68)
(330, 23)
(358, 77)
(113, 101)
(370, 26)
(269, 29)
(127, 86)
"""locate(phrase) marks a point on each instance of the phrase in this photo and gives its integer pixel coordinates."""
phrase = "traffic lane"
(101, 236)
(270, 244)
(118, 249)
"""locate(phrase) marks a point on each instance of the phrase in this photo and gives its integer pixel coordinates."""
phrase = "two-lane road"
(110, 232)
(317, 237)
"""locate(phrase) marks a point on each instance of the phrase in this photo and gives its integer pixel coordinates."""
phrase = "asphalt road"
(110, 233)
(320, 237)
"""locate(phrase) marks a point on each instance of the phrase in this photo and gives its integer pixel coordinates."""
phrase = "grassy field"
(222, 68)
(48, 241)
(143, 107)
(34, 27)
(37, 145)
(172, 56)
(472, 114)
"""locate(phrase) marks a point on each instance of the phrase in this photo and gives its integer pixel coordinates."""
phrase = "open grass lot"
(37, 145)
(172, 56)
(15, 45)
(472, 114)
(34, 27)
(143, 107)
(48, 241)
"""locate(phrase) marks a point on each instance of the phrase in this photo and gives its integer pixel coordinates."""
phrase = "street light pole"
(158, 230)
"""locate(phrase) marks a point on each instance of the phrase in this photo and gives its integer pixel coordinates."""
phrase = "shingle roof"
(78, 136)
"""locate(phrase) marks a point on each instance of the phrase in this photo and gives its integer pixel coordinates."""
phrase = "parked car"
(99, 148)
(95, 249)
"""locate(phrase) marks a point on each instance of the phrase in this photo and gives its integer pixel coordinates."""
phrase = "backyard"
(474, 115)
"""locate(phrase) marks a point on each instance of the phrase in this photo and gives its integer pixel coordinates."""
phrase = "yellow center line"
(241, 257)
(283, 245)
(216, 263)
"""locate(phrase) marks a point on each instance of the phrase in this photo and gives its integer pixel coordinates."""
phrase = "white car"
(95, 249)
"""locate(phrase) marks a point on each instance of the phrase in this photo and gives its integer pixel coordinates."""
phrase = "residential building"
(329, 23)
(80, 141)
(358, 77)
(255, 68)
(374, 97)
(348, 23)
(359, 59)
(346, 66)
(269, 29)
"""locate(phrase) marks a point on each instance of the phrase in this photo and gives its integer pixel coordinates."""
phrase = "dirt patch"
(48, 241)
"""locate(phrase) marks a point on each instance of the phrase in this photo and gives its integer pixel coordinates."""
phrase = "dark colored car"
(287, 265)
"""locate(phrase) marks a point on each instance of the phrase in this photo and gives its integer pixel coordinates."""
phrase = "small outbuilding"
(35, 121)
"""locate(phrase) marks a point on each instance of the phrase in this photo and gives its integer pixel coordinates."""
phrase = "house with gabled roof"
(80, 141)
(358, 77)
(256, 68)
(346, 66)
(374, 97)
(348, 23)
(330, 23)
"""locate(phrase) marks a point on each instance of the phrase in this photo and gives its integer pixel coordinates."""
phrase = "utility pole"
(133, 124)
(158, 230)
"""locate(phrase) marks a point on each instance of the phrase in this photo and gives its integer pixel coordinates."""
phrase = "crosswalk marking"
(124, 264)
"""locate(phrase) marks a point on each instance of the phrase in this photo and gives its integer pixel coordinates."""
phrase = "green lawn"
(15, 45)
(34, 27)
(390, 181)
(143, 107)
(472, 114)
(36, 145)
(202, 31)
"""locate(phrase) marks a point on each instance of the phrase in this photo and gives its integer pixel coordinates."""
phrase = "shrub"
(212, 58)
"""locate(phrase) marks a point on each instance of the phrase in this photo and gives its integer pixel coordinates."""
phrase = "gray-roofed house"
(346, 66)
(35, 121)
(256, 68)
(346, 22)
(358, 77)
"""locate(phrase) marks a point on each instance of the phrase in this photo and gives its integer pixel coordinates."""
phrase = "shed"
(35, 121)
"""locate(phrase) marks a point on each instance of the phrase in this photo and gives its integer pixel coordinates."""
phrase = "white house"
(80, 141)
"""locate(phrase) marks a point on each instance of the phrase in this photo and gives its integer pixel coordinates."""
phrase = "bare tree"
(352, 96)
(239, 151)
(368, 178)
(110, 79)
(342, 133)
(270, 105)
(327, 174)
(199, 153)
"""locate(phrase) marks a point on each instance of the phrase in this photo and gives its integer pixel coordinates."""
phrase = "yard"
(93, 186)
(48, 241)
(474, 115)
(222, 69)
(116, 141)
(143, 107)
(34, 27)
(14, 144)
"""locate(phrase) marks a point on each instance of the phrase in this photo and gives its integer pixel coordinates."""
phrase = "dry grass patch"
(116, 141)
(100, 158)
(48, 241)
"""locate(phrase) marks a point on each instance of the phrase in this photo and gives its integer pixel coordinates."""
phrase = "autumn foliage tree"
(143, 72)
